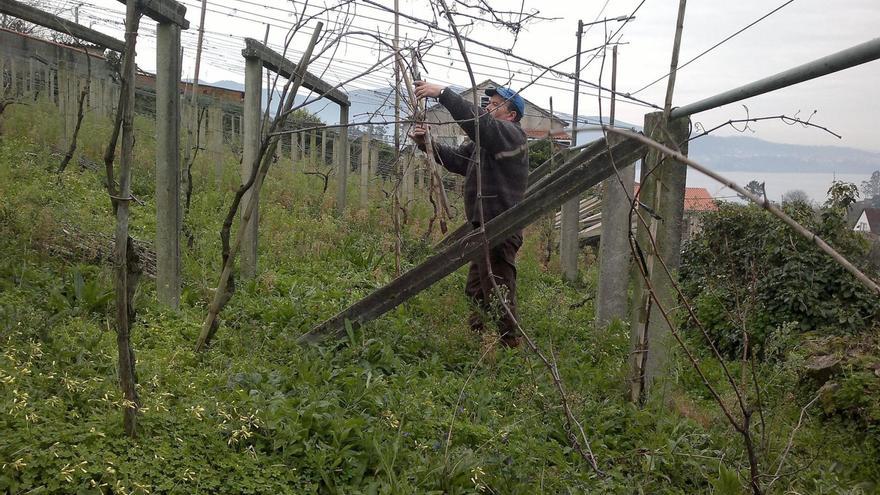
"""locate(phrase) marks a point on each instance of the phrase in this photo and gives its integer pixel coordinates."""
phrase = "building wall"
(33, 68)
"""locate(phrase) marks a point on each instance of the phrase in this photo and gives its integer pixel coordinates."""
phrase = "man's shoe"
(510, 342)
(475, 322)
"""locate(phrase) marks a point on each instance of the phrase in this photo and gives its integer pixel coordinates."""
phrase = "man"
(504, 170)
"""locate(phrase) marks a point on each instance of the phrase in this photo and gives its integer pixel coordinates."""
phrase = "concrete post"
(615, 256)
(73, 90)
(291, 139)
(294, 150)
(408, 179)
(344, 162)
(63, 102)
(251, 120)
(13, 83)
(50, 73)
(323, 147)
(95, 95)
(570, 222)
(374, 160)
(365, 169)
(32, 81)
(215, 141)
(313, 149)
(568, 239)
(662, 189)
(168, 215)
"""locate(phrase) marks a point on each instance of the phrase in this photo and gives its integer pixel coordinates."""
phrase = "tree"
(754, 187)
(19, 26)
(871, 189)
(303, 119)
(15, 24)
(796, 196)
(539, 152)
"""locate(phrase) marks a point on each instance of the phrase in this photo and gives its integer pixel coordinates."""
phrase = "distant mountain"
(748, 154)
(364, 102)
(722, 153)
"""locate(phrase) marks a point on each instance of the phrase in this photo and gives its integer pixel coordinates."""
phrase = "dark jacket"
(504, 161)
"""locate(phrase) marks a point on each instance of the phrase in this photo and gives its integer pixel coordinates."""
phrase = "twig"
(259, 169)
(784, 118)
(441, 207)
(776, 475)
(80, 111)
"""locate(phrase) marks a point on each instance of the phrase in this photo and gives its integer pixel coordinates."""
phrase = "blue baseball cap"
(511, 96)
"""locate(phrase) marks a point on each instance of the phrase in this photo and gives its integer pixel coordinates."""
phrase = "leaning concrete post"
(344, 163)
(251, 120)
(365, 169)
(168, 164)
(662, 189)
(614, 250)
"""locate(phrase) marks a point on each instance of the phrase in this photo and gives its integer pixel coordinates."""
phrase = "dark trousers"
(482, 294)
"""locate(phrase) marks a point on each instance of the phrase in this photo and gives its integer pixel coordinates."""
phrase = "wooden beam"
(163, 11)
(584, 170)
(45, 19)
(544, 174)
(273, 61)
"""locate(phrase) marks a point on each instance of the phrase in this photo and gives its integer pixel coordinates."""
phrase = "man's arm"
(495, 135)
(455, 160)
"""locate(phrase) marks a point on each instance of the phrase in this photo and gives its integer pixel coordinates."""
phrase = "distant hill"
(364, 102)
(748, 154)
(722, 153)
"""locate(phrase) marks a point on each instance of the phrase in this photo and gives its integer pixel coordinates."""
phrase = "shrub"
(746, 270)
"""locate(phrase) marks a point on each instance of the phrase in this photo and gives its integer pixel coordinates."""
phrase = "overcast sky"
(847, 102)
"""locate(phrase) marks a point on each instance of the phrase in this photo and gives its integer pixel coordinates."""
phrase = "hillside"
(414, 402)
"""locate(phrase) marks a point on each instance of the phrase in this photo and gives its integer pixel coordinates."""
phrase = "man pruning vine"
(504, 164)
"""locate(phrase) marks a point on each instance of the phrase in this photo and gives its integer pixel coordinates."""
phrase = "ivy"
(748, 272)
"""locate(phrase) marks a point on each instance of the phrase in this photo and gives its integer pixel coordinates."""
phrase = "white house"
(869, 221)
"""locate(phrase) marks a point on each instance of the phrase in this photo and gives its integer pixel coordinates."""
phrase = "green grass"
(257, 413)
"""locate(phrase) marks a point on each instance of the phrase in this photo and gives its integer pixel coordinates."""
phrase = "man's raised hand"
(425, 89)
(417, 134)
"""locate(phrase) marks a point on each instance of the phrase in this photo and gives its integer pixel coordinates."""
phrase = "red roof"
(695, 199)
(698, 199)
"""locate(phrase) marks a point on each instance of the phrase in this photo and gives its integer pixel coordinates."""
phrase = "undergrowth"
(412, 403)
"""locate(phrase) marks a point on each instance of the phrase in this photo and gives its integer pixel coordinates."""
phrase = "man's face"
(497, 107)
